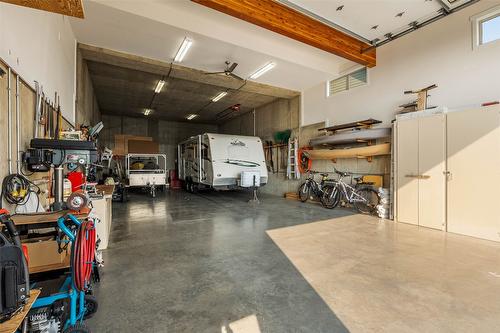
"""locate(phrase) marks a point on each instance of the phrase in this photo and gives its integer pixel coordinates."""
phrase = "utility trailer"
(221, 161)
(146, 171)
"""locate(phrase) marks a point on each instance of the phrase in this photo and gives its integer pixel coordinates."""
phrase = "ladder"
(292, 168)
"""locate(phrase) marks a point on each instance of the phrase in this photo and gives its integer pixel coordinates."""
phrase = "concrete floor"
(381, 276)
(197, 263)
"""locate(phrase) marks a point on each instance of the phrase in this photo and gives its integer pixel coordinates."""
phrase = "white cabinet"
(473, 144)
(103, 210)
(421, 170)
(448, 171)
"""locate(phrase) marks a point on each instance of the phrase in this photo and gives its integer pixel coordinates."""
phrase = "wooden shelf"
(357, 124)
(39, 218)
(11, 325)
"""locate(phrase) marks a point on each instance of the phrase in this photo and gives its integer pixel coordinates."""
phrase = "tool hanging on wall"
(292, 170)
(421, 102)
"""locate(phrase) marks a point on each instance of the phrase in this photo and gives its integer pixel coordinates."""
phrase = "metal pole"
(18, 125)
(58, 188)
(9, 121)
(254, 122)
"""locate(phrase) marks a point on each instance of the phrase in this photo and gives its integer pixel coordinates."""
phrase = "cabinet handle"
(411, 176)
(424, 176)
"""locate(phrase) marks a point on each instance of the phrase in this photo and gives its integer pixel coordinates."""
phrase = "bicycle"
(311, 188)
(362, 196)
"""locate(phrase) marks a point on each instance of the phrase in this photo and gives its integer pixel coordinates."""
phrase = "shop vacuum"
(14, 276)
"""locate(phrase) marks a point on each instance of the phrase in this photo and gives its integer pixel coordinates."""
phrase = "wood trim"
(64, 7)
(286, 21)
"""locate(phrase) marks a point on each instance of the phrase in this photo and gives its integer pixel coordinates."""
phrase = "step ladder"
(292, 169)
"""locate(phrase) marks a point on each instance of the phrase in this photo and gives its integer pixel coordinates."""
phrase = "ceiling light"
(263, 70)
(159, 86)
(186, 44)
(191, 116)
(147, 112)
(219, 96)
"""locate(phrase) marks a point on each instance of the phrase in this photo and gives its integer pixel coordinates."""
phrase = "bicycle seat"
(358, 179)
(324, 175)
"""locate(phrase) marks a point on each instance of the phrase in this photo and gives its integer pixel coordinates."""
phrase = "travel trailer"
(221, 161)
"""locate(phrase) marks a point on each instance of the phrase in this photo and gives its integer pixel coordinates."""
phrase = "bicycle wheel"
(367, 201)
(304, 192)
(331, 196)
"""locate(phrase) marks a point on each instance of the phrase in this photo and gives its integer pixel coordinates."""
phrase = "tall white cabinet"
(447, 170)
(421, 166)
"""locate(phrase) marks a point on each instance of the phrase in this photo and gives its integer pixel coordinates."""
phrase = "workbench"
(12, 325)
(25, 222)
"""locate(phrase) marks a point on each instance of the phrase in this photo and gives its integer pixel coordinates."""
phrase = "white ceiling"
(122, 26)
(359, 16)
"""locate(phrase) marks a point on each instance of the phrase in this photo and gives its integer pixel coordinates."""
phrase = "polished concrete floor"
(204, 263)
(380, 276)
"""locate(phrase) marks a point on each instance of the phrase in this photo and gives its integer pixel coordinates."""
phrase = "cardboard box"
(44, 252)
(143, 147)
(122, 141)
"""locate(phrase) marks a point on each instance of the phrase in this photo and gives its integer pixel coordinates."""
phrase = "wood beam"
(286, 21)
(65, 7)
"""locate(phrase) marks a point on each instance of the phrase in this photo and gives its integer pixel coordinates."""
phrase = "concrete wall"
(87, 108)
(41, 47)
(167, 133)
(285, 114)
(441, 53)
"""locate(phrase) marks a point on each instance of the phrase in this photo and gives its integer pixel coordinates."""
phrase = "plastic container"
(77, 179)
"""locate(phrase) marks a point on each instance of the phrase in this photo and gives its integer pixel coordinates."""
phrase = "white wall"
(440, 53)
(40, 46)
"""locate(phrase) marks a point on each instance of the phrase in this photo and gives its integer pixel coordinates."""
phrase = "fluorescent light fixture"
(219, 96)
(181, 53)
(191, 116)
(263, 70)
(159, 86)
(147, 112)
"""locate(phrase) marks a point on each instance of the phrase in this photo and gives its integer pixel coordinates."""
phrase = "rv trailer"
(221, 161)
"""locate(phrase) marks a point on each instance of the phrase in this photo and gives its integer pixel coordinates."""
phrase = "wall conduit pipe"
(18, 124)
(9, 120)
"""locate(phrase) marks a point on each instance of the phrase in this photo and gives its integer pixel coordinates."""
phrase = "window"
(486, 27)
(347, 82)
(489, 29)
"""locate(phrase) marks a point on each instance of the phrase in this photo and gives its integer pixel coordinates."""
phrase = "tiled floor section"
(378, 276)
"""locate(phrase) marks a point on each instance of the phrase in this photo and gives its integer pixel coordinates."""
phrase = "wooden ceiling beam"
(277, 17)
(65, 7)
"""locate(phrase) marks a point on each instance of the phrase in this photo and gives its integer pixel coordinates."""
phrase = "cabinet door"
(407, 171)
(473, 149)
(432, 167)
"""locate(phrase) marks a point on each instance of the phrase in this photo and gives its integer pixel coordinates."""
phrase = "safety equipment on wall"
(305, 163)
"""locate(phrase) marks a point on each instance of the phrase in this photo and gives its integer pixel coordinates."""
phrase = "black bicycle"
(311, 189)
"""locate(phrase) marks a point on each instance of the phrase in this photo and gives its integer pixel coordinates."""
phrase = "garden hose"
(83, 255)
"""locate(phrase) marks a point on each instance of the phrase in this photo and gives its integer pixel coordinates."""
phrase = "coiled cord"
(16, 189)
